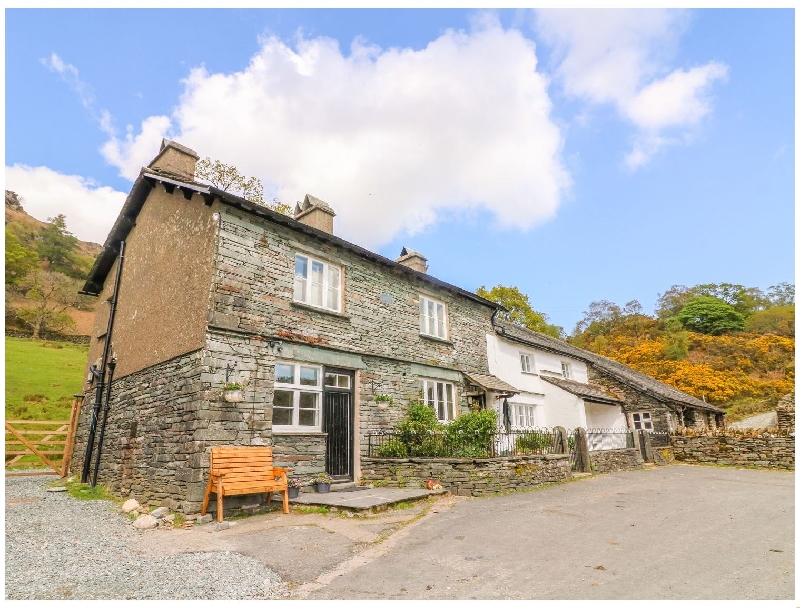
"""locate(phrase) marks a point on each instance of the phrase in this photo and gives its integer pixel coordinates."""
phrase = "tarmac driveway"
(677, 532)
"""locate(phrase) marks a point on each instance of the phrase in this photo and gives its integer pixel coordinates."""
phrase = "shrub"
(394, 448)
(416, 430)
(533, 443)
(470, 435)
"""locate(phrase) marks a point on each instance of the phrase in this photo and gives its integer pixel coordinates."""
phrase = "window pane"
(284, 374)
(309, 376)
(330, 379)
(344, 382)
(334, 281)
(308, 409)
(440, 321)
(317, 279)
(430, 398)
(282, 408)
(300, 266)
(300, 273)
(450, 405)
(431, 320)
(422, 315)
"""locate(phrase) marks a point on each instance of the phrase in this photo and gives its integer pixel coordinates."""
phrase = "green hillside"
(42, 377)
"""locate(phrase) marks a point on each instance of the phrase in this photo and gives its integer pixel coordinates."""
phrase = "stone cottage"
(217, 290)
(565, 385)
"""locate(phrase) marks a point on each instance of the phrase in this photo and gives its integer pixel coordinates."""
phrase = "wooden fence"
(50, 442)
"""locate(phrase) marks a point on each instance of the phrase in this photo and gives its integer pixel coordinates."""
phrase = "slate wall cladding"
(254, 285)
(767, 452)
(468, 477)
(604, 461)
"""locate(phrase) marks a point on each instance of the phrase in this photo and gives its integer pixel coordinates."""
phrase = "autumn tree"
(710, 315)
(519, 310)
(51, 294)
(228, 178)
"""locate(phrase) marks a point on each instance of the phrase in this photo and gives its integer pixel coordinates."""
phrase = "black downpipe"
(106, 406)
(98, 400)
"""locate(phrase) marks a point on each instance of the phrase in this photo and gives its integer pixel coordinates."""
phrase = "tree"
(519, 309)
(52, 293)
(227, 178)
(58, 246)
(781, 294)
(709, 315)
(20, 260)
(775, 320)
(744, 300)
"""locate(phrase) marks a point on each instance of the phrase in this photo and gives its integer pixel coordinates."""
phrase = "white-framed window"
(337, 380)
(441, 396)
(317, 283)
(297, 402)
(432, 318)
(525, 363)
(566, 370)
(523, 416)
(642, 420)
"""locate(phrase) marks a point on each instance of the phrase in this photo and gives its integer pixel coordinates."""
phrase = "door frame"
(350, 442)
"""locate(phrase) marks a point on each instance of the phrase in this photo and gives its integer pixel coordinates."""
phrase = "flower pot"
(294, 492)
(323, 488)
(233, 396)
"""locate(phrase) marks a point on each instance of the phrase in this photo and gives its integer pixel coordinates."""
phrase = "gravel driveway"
(61, 548)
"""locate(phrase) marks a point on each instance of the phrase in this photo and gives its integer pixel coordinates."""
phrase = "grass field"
(42, 377)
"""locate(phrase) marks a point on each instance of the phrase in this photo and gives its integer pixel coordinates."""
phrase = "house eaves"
(587, 392)
(149, 177)
(492, 383)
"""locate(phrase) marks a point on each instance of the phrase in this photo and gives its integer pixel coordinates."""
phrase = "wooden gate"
(49, 441)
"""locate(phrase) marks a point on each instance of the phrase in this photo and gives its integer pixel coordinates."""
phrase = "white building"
(553, 387)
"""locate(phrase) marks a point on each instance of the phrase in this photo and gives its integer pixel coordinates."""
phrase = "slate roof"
(590, 392)
(149, 176)
(492, 383)
(621, 372)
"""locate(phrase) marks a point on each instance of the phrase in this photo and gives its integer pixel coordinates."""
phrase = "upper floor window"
(566, 370)
(642, 420)
(525, 362)
(441, 396)
(298, 397)
(317, 283)
(432, 318)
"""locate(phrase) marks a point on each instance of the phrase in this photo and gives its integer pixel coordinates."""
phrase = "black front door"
(337, 422)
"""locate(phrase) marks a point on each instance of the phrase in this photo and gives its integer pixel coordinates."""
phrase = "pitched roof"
(621, 372)
(590, 392)
(492, 383)
(146, 181)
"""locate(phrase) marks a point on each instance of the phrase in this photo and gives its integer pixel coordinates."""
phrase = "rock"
(145, 522)
(160, 512)
(130, 505)
(57, 489)
(169, 518)
(203, 519)
(222, 525)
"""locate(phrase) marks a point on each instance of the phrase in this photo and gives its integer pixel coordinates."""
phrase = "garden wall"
(626, 459)
(759, 451)
(466, 476)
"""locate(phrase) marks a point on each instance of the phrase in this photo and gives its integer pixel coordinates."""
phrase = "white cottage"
(553, 388)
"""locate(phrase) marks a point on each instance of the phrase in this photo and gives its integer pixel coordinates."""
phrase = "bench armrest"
(281, 470)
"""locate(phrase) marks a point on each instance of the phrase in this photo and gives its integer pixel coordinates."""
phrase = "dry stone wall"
(468, 477)
(767, 452)
(604, 461)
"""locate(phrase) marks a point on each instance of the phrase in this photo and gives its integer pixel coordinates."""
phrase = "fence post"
(77, 401)
(582, 450)
(561, 446)
(647, 448)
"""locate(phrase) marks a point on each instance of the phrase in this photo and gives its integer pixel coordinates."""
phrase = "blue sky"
(578, 155)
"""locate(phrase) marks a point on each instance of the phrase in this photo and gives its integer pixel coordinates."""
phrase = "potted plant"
(294, 487)
(232, 392)
(383, 401)
(323, 483)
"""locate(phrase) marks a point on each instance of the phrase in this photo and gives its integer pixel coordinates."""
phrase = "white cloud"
(69, 74)
(623, 57)
(90, 209)
(390, 138)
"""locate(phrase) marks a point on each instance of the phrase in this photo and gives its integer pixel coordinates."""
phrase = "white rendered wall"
(605, 416)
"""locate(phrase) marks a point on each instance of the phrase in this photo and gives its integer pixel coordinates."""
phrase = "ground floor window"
(642, 421)
(298, 397)
(441, 396)
(523, 416)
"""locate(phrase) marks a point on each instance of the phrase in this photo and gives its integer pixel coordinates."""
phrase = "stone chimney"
(175, 159)
(412, 259)
(315, 213)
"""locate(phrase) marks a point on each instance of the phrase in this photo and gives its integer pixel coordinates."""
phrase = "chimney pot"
(315, 213)
(413, 259)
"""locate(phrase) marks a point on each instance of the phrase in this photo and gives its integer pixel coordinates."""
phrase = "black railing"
(437, 445)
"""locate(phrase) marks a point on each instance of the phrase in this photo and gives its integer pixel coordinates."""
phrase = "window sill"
(298, 432)
(530, 373)
(435, 339)
(324, 311)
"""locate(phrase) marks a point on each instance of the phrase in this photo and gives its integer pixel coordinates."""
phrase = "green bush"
(417, 428)
(533, 443)
(470, 435)
(394, 448)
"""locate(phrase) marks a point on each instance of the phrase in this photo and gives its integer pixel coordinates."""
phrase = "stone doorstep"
(361, 500)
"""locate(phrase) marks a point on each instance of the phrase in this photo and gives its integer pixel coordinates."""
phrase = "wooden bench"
(244, 470)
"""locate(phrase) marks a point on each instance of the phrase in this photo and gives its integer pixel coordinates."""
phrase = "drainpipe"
(98, 399)
(111, 365)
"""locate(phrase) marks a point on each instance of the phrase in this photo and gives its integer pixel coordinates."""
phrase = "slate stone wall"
(767, 452)
(468, 477)
(626, 459)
